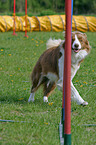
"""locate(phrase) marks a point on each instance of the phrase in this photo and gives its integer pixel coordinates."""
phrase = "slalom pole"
(14, 20)
(65, 123)
(67, 75)
(26, 19)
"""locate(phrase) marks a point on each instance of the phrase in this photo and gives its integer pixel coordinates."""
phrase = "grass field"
(18, 56)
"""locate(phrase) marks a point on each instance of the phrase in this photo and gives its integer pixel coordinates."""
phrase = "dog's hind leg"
(48, 88)
(32, 94)
(35, 86)
(31, 98)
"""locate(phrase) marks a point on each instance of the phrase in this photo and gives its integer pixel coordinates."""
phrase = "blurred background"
(47, 7)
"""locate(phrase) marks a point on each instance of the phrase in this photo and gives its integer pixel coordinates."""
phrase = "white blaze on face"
(76, 42)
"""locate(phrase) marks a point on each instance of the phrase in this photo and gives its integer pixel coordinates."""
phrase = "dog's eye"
(81, 40)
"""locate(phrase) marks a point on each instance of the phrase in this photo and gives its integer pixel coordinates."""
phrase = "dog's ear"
(88, 47)
(84, 34)
(75, 32)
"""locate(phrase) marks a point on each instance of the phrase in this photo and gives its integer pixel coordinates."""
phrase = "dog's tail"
(53, 43)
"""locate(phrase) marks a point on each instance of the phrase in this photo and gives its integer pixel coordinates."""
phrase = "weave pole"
(65, 124)
(67, 75)
(26, 19)
(14, 20)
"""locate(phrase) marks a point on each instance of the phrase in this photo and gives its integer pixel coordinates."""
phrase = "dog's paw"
(84, 103)
(45, 99)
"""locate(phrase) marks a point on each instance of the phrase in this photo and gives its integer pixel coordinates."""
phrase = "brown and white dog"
(48, 70)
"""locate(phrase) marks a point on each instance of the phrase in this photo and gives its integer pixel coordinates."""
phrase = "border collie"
(48, 70)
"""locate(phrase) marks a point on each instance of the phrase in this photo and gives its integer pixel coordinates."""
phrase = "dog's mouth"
(76, 50)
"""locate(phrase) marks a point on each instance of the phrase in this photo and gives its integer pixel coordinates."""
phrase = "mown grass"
(18, 56)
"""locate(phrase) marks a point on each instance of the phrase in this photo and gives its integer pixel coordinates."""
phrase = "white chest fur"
(75, 59)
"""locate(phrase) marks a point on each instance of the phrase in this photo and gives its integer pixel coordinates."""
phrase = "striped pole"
(65, 124)
(67, 75)
(14, 20)
(26, 19)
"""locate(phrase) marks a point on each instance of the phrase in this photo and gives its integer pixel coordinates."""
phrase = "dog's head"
(80, 42)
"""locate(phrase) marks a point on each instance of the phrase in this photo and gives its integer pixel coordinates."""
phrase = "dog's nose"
(76, 45)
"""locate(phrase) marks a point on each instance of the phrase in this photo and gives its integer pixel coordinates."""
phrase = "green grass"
(18, 56)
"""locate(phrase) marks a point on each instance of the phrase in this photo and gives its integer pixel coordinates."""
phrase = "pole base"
(26, 36)
(14, 34)
(67, 139)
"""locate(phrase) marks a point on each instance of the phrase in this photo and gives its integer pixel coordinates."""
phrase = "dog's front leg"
(74, 93)
(76, 97)
(81, 55)
(60, 84)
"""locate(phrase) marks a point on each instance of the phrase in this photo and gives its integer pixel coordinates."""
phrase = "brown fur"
(49, 59)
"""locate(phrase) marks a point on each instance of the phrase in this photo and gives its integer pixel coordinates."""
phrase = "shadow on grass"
(11, 99)
(23, 100)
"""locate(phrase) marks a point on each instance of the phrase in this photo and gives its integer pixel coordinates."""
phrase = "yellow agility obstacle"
(47, 23)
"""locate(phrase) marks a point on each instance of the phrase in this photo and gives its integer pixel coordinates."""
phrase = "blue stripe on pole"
(71, 13)
(71, 8)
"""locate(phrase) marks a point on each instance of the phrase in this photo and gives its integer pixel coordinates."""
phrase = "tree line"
(51, 6)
